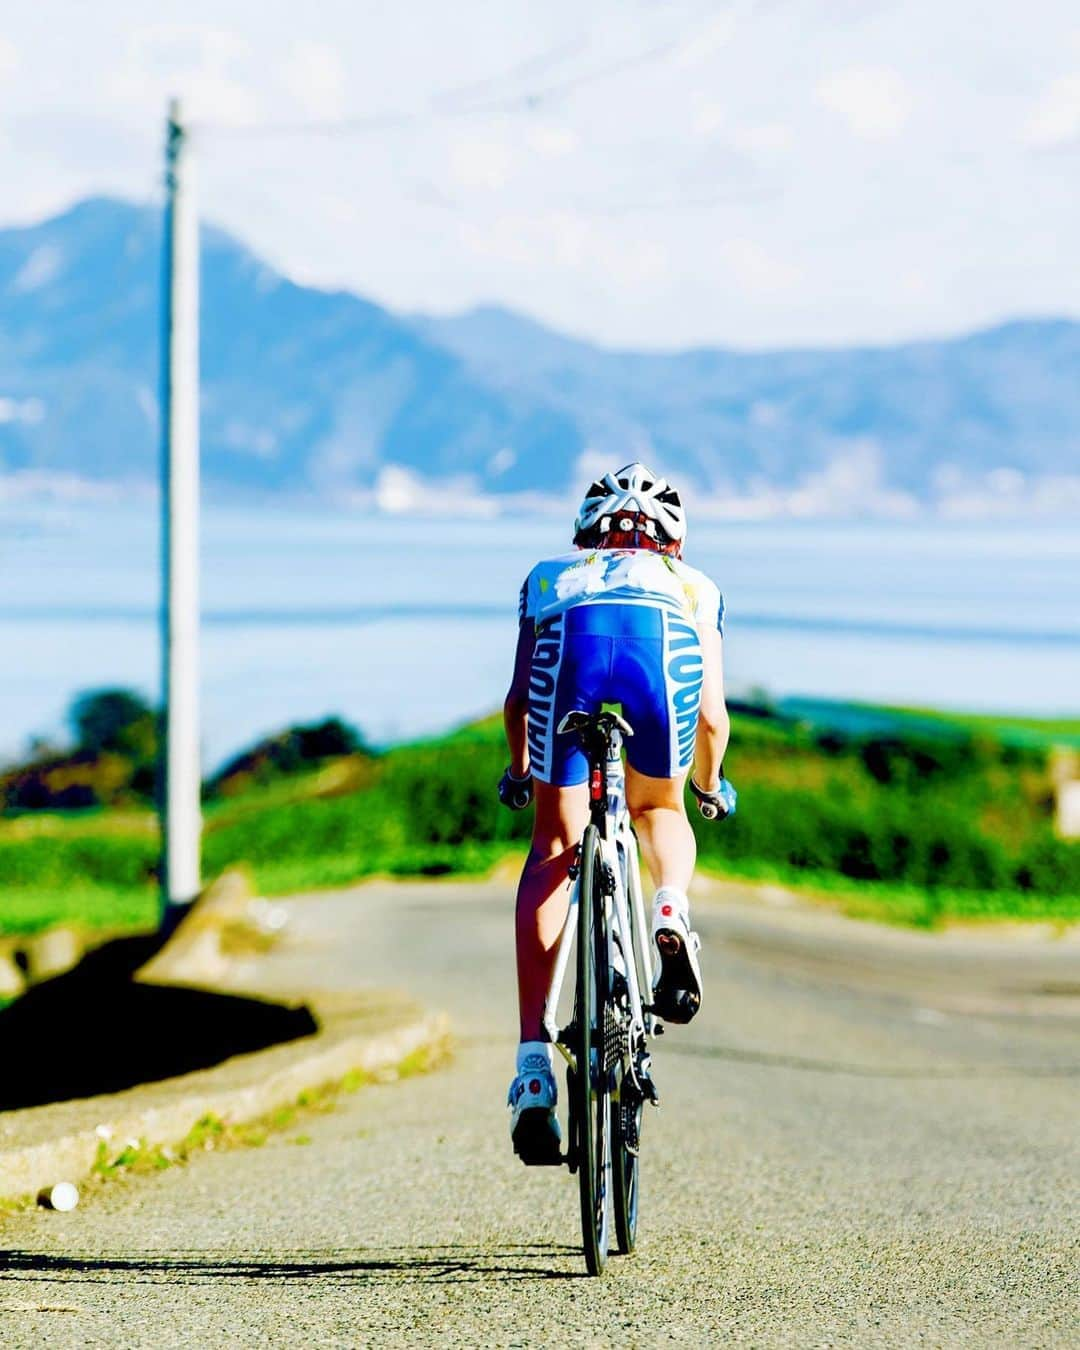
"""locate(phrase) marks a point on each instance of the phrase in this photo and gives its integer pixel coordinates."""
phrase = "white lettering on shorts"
(543, 679)
(682, 674)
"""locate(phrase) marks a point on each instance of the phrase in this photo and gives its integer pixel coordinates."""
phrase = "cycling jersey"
(624, 576)
(617, 626)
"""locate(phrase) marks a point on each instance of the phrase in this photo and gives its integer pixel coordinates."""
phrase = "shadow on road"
(95, 1029)
(422, 1265)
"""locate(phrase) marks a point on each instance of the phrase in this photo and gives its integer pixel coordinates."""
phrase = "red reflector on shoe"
(666, 911)
(534, 1085)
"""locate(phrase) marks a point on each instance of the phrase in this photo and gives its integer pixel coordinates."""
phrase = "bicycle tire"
(626, 1169)
(590, 1084)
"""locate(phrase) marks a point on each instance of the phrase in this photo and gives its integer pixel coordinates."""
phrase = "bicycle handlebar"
(515, 793)
(716, 805)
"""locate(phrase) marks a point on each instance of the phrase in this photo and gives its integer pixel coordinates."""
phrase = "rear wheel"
(626, 1136)
(590, 1084)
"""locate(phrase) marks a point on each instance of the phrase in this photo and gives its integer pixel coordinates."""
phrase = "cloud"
(755, 269)
(315, 77)
(872, 100)
(9, 56)
(477, 163)
(710, 115)
(1055, 119)
(399, 491)
(765, 138)
(711, 120)
(199, 64)
(572, 242)
(851, 485)
(553, 141)
(711, 38)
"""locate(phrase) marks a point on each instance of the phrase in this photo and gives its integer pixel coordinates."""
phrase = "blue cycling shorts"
(643, 656)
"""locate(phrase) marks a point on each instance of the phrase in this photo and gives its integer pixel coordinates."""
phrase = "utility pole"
(180, 778)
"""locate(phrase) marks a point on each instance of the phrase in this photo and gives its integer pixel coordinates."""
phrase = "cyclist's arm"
(714, 726)
(516, 706)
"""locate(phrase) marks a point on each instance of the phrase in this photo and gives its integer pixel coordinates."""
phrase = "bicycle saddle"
(602, 722)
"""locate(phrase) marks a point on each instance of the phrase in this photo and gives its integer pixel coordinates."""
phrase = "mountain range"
(323, 393)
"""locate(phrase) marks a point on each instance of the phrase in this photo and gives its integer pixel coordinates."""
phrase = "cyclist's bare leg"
(667, 842)
(543, 896)
(670, 850)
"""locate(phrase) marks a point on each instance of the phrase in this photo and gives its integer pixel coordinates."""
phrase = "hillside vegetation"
(912, 828)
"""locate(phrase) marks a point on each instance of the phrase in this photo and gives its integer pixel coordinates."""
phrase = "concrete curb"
(196, 953)
(370, 1032)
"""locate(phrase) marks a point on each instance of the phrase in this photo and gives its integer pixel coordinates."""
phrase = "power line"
(534, 97)
(532, 67)
(444, 105)
(462, 101)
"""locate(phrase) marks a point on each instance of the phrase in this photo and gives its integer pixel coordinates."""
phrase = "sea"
(407, 627)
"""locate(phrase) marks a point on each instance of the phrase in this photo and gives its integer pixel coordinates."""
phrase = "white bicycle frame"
(624, 914)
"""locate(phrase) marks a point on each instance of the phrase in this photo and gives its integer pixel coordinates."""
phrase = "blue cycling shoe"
(534, 1127)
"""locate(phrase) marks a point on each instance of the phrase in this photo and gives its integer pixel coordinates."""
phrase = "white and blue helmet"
(633, 491)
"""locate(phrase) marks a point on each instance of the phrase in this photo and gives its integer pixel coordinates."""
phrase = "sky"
(645, 174)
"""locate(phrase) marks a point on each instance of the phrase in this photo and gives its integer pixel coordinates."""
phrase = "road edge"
(164, 1113)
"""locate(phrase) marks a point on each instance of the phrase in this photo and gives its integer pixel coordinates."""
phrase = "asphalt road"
(866, 1138)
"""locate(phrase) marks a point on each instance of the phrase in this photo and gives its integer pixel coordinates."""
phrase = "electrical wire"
(467, 100)
(445, 105)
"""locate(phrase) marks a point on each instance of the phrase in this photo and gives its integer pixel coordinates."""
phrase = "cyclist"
(621, 619)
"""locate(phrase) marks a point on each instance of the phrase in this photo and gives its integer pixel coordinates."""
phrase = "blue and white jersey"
(631, 576)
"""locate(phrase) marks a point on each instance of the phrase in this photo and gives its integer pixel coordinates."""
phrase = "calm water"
(406, 630)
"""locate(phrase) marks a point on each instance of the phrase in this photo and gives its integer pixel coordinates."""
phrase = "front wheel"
(590, 1084)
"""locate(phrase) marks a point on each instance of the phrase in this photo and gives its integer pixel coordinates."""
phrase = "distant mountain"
(310, 391)
(302, 390)
(1004, 399)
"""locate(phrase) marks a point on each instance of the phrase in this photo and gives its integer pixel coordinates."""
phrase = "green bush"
(56, 860)
(921, 821)
(287, 753)
(441, 796)
(920, 840)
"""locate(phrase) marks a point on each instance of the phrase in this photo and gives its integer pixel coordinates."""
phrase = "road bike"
(605, 1042)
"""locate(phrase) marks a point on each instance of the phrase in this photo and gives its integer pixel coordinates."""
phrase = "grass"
(31, 909)
(917, 828)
